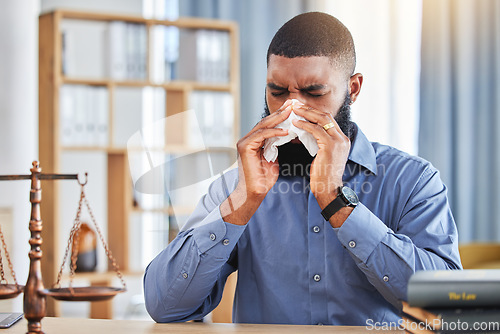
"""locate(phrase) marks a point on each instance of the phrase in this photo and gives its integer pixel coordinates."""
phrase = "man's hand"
(256, 175)
(328, 166)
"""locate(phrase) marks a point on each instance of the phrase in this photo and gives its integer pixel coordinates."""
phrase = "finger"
(263, 134)
(286, 104)
(316, 130)
(313, 115)
(274, 119)
(257, 138)
(255, 141)
(319, 117)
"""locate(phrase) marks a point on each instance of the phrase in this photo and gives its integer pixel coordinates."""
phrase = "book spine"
(472, 294)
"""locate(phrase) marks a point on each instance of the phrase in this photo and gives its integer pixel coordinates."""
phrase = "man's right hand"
(256, 176)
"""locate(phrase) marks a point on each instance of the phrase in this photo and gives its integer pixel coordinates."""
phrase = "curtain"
(387, 35)
(258, 21)
(460, 109)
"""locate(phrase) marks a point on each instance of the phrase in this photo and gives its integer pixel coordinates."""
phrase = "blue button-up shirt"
(293, 267)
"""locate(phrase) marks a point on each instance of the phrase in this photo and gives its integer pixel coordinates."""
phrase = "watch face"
(350, 195)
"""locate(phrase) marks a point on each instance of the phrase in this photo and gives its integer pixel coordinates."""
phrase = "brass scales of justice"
(34, 299)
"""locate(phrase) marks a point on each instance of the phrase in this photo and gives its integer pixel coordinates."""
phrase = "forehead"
(302, 70)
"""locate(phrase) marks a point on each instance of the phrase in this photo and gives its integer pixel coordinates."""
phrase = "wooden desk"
(98, 326)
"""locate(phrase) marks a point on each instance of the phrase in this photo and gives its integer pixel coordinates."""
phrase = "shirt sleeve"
(185, 281)
(425, 238)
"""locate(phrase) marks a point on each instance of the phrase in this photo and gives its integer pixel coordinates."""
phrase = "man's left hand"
(333, 150)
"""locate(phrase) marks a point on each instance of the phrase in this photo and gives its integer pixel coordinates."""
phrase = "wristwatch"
(346, 197)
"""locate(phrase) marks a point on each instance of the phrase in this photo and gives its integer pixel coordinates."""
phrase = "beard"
(294, 159)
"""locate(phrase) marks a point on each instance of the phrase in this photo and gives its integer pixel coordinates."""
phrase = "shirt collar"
(362, 152)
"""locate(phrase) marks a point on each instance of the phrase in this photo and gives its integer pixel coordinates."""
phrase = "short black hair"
(315, 34)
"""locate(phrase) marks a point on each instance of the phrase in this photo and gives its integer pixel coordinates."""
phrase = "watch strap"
(334, 206)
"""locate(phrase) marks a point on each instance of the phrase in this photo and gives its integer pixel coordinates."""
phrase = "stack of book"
(453, 301)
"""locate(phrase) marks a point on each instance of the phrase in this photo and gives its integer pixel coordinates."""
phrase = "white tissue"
(310, 143)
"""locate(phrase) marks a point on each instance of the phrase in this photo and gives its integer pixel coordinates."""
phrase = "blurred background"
(431, 87)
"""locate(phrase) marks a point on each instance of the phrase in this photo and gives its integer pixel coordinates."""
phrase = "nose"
(294, 95)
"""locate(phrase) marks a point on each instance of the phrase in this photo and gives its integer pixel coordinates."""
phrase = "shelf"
(96, 276)
(182, 22)
(67, 122)
(170, 149)
(172, 85)
(170, 210)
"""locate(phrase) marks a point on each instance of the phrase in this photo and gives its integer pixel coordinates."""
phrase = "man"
(306, 251)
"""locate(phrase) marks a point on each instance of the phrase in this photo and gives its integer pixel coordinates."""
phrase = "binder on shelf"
(67, 110)
(67, 56)
(80, 115)
(204, 55)
(102, 117)
(127, 113)
(164, 53)
(141, 51)
(84, 48)
(157, 57)
(117, 62)
(214, 112)
(225, 65)
(188, 58)
(127, 44)
(153, 118)
(172, 35)
(84, 116)
(131, 42)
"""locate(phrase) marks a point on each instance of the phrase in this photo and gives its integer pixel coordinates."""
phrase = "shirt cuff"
(216, 236)
(362, 232)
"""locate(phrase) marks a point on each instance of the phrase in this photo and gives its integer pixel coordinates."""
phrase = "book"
(414, 326)
(450, 320)
(455, 288)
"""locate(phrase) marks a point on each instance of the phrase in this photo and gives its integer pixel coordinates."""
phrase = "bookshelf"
(99, 76)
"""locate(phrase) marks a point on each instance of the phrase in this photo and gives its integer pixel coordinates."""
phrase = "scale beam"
(41, 176)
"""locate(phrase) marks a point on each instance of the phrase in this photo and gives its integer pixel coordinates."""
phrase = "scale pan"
(83, 294)
(10, 290)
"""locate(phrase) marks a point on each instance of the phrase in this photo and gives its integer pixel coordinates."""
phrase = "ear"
(355, 83)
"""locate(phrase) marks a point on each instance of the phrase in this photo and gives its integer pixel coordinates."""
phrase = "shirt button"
(386, 278)
(317, 278)
(352, 244)
(316, 229)
(225, 242)
(184, 275)
(213, 236)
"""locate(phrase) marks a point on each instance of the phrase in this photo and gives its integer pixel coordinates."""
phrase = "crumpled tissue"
(271, 144)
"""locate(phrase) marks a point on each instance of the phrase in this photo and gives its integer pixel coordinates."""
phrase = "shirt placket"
(317, 263)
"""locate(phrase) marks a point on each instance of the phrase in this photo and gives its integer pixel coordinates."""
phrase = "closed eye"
(316, 90)
(314, 95)
(276, 90)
